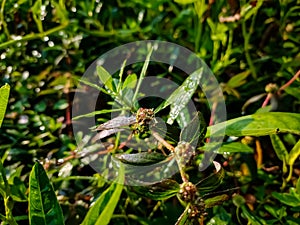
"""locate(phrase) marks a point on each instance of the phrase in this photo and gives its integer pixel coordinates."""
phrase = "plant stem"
(246, 47)
(8, 213)
(30, 37)
(281, 88)
(2, 20)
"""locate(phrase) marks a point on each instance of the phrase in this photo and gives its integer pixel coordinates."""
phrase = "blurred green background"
(46, 45)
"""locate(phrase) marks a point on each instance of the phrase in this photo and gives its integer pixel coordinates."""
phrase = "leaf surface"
(43, 205)
(259, 124)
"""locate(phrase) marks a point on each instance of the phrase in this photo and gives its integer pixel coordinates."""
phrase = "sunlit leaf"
(184, 2)
(102, 211)
(142, 76)
(227, 148)
(280, 150)
(248, 10)
(36, 14)
(239, 79)
(183, 118)
(294, 153)
(258, 125)
(130, 81)
(94, 113)
(43, 205)
(105, 78)
(182, 95)
(4, 94)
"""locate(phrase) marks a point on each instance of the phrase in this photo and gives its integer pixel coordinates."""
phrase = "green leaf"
(248, 10)
(102, 211)
(105, 78)
(4, 94)
(259, 124)
(61, 104)
(130, 81)
(195, 129)
(61, 11)
(212, 181)
(294, 91)
(181, 96)
(221, 218)
(183, 118)
(238, 80)
(227, 148)
(184, 2)
(294, 153)
(3, 181)
(280, 149)
(94, 113)
(43, 205)
(291, 199)
(252, 219)
(142, 76)
(159, 191)
(216, 200)
(36, 14)
(298, 186)
(184, 217)
(139, 159)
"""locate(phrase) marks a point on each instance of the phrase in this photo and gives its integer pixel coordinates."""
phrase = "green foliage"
(103, 209)
(43, 205)
(259, 124)
(46, 46)
(4, 93)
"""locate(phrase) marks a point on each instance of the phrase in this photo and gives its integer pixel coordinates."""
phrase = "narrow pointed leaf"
(4, 94)
(184, 217)
(292, 198)
(227, 148)
(216, 200)
(43, 205)
(105, 78)
(294, 153)
(279, 147)
(3, 181)
(102, 211)
(181, 96)
(213, 181)
(239, 79)
(259, 124)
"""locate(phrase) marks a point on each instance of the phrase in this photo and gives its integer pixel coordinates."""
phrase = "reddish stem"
(290, 81)
(281, 88)
(265, 103)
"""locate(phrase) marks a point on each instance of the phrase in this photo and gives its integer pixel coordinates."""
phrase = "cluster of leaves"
(47, 45)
